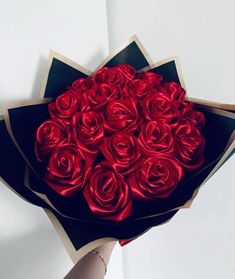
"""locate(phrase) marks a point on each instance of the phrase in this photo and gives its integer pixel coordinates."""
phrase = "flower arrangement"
(120, 136)
(110, 154)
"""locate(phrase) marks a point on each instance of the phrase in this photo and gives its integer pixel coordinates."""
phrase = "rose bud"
(155, 137)
(121, 115)
(51, 133)
(68, 169)
(66, 105)
(87, 130)
(140, 88)
(122, 152)
(156, 178)
(107, 194)
(174, 91)
(192, 117)
(189, 146)
(158, 107)
(83, 84)
(128, 71)
(152, 79)
(111, 76)
(99, 96)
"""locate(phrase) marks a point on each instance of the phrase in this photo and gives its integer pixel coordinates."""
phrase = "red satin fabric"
(120, 136)
(108, 194)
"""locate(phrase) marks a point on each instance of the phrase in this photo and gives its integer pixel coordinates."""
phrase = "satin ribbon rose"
(155, 178)
(108, 194)
(68, 169)
(50, 134)
(122, 151)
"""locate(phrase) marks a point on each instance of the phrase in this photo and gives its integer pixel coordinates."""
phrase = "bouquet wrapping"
(110, 154)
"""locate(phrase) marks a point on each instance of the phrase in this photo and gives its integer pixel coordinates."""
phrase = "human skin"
(91, 266)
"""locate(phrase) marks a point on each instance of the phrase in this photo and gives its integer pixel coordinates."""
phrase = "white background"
(198, 242)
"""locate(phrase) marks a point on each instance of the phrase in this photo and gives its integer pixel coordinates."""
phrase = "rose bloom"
(152, 79)
(66, 105)
(82, 84)
(158, 107)
(68, 169)
(50, 134)
(99, 96)
(121, 115)
(189, 146)
(107, 194)
(192, 117)
(156, 177)
(173, 91)
(128, 71)
(140, 88)
(155, 137)
(111, 76)
(122, 152)
(145, 84)
(117, 75)
(87, 130)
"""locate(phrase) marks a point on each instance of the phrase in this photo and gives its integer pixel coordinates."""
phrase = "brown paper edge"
(212, 104)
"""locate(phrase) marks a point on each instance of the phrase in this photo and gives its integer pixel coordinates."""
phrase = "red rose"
(66, 105)
(83, 84)
(192, 117)
(110, 76)
(99, 96)
(140, 88)
(107, 194)
(125, 91)
(159, 108)
(87, 130)
(50, 134)
(156, 137)
(152, 79)
(145, 84)
(156, 177)
(189, 146)
(68, 169)
(121, 115)
(174, 91)
(122, 152)
(128, 71)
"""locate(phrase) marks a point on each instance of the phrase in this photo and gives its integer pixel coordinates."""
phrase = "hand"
(91, 265)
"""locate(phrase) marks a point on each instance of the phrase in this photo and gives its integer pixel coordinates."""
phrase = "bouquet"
(110, 154)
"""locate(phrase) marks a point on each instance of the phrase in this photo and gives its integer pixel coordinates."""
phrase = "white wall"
(198, 242)
(29, 29)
